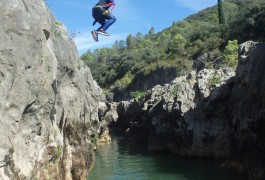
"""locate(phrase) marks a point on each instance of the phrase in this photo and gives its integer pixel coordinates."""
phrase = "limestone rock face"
(185, 118)
(247, 104)
(143, 82)
(212, 113)
(48, 98)
(181, 116)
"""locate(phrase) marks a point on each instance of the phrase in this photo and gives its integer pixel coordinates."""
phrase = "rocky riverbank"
(212, 113)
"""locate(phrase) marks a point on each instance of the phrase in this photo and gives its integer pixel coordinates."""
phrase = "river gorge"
(52, 112)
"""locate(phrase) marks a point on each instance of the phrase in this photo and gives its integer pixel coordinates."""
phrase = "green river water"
(123, 160)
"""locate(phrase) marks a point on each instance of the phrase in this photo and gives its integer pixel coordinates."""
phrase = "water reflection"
(124, 160)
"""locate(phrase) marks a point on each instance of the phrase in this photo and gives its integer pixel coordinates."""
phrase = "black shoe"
(94, 35)
(103, 32)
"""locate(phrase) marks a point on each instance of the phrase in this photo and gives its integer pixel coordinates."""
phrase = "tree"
(88, 57)
(221, 12)
(151, 33)
(177, 44)
(130, 42)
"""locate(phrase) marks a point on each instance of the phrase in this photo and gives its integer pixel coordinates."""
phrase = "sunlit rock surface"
(48, 99)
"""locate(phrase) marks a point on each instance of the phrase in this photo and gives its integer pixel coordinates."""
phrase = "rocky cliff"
(206, 114)
(49, 102)
(142, 82)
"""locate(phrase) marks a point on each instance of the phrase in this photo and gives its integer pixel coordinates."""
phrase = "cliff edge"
(49, 102)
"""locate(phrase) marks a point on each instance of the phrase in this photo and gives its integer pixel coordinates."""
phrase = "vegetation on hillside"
(181, 44)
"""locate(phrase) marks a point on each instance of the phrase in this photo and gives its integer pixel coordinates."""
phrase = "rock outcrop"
(143, 82)
(49, 103)
(211, 113)
(176, 115)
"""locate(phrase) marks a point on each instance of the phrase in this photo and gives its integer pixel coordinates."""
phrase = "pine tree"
(221, 12)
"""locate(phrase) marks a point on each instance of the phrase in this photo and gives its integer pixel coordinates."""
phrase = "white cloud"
(85, 41)
(196, 5)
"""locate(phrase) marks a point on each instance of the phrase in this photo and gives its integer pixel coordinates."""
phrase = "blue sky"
(132, 16)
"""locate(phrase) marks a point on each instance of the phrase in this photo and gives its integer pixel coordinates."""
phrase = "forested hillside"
(196, 42)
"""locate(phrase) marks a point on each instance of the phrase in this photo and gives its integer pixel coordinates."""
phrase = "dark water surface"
(123, 160)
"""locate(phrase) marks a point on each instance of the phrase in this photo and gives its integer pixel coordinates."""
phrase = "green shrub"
(215, 80)
(138, 94)
(106, 91)
(176, 89)
(231, 53)
(125, 80)
(93, 140)
(56, 29)
(59, 152)
(49, 68)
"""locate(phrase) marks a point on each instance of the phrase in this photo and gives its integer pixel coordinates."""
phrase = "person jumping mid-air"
(103, 16)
